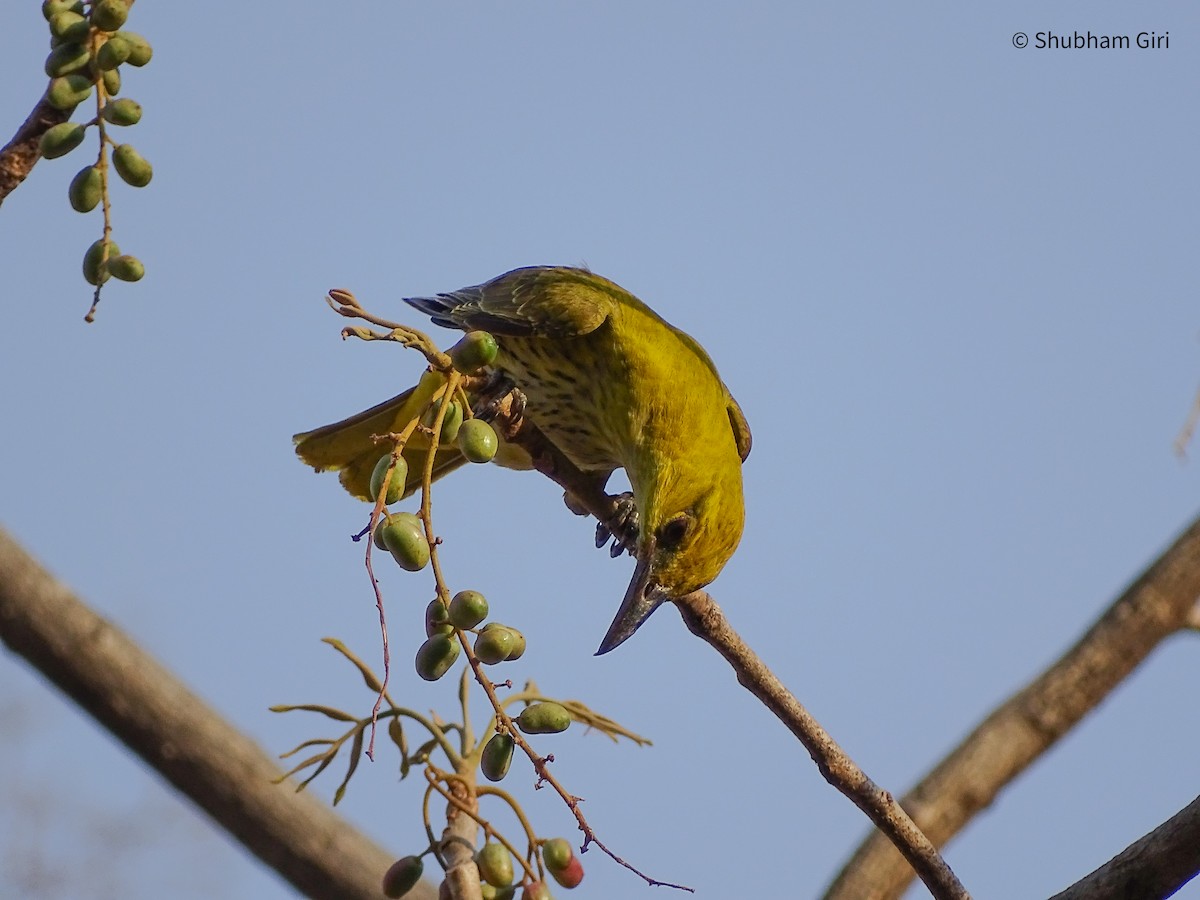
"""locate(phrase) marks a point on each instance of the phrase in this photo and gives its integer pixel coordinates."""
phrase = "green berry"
(543, 718)
(140, 50)
(495, 864)
(395, 491)
(94, 272)
(450, 423)
(518, 649)
(109, 15)
(112, 53)
(66, 58)
(436, 656)
(123, 112)
(477, 440)
(68, 91)
(112, 82)
(61, 139)
(468, 609)
(403, 876)
(557, 854)
(131, 167)
(476, 350)
(86, 189)
(537, 890)
(497, 756)
(437, 620)
(404, 537)
(69, 26)
(126, 268)
(51, 8)
(493, 645)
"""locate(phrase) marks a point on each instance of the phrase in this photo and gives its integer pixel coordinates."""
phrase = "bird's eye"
(672, 533)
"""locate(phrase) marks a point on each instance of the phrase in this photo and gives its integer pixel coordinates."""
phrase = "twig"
(20, 155)
(1158, 604)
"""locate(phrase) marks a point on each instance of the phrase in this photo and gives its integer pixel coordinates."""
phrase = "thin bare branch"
(1158, 604)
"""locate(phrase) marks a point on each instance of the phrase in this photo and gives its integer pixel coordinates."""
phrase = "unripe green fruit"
(123, 112)
(109, 15)
(61, 139)
(490, 892)
(437, 620)
(69, 26)
(450, 423)
(536, 891)
(126, 268)
(131, 167)
(476, 350)
(436, 656)
(86, 189)
(495, 864)
(140, 50)
(570, 876)
(468, 609)
(543, 718)
(557, 854)
(493, 645)
(497, 756)
(68, 91)
(112, 82)
(395, 489)
(112, 53)
(403, 876)
(404, 537)
(93, 271)
(51, 8)
(518, 649)
(66, 58)
(477, 440)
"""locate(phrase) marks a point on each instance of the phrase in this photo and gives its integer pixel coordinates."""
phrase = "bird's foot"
(624, 530)
(501, 399)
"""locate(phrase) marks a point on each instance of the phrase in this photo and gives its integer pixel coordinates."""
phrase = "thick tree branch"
(1152, 867)
(1158, 604)
(176, 733)
(19, 155)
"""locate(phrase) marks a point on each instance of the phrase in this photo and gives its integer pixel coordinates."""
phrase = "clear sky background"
(952, 283)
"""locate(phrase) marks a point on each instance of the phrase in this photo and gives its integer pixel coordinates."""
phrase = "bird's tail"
(346, 447)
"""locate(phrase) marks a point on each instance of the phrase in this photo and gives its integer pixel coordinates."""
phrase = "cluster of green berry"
(87, 49)
(496, 872)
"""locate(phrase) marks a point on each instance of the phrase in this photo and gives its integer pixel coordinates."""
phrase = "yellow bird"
(613, 386)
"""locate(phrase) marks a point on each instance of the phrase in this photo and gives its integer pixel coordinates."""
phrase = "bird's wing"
(554, 302)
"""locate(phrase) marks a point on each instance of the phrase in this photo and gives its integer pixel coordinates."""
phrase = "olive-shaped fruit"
(93, 271)
(140, 50)
(497, 757)
(402, 876)
(51, 8)
(112, 53)
(66, 58)
(450, 423)
(436, 656)
(437, 620)
(126, 268)
(68, 91)
(491, 892)
(112, 82)
(61, 139)
(570, 876)
(476, 350)
(518, 649)
(395, 489)
(468, 609)
(404, 537)
(557, 854)
(69, 26)
(109, 15)
(495, 864)
(477, 440)
(536, 890)
(543, 718)
(123, 112)
(131, 167)
(493, 645)
(86, 189)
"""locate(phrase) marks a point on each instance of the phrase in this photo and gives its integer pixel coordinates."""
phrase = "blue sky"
(951, 282)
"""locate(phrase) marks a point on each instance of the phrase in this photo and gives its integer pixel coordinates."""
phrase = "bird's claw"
(623, 530)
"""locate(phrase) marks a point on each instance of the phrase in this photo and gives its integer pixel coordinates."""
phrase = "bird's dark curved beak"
(642, 598)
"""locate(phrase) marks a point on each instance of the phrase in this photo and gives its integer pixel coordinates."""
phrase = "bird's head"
(690, 520)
